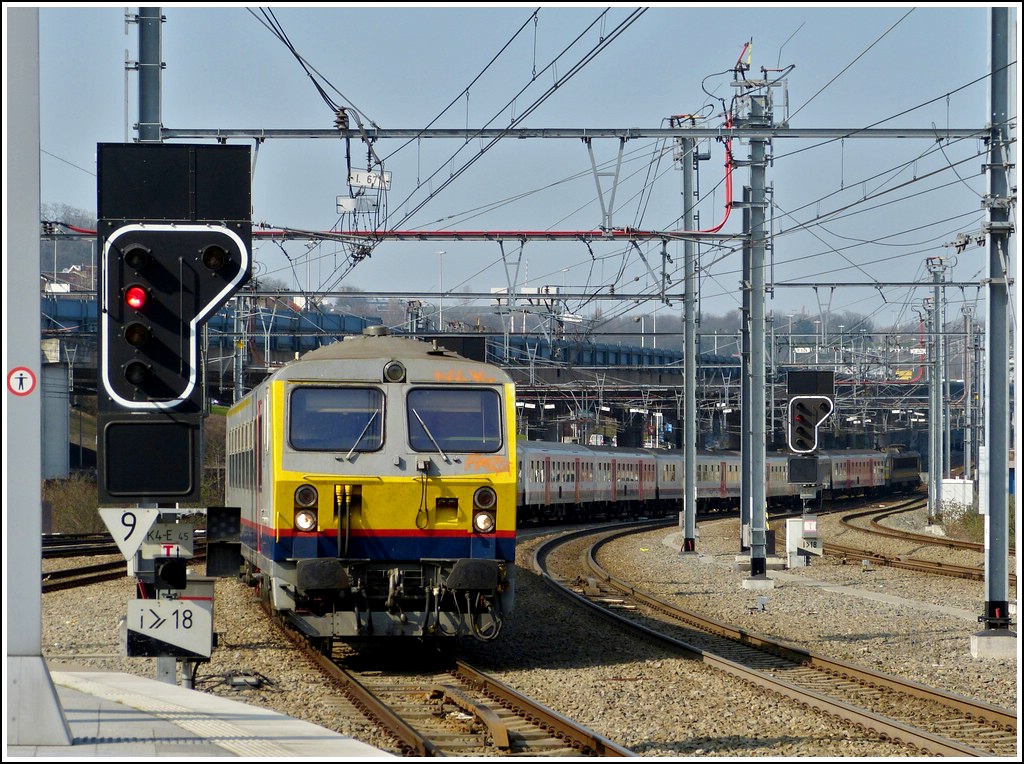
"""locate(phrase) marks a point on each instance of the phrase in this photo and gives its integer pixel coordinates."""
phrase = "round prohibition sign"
(21, 381)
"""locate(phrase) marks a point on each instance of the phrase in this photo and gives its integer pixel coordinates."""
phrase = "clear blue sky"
(401, 66)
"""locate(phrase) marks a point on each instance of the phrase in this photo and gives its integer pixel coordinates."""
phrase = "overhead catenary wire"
(604, 42)
(858, 203)
(589, 56)
(465, 91)
(849, 65)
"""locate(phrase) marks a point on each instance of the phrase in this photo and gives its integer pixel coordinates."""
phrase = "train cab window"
(336, 419)
(460, 420)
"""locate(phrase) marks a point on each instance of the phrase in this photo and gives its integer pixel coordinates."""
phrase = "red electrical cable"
(728, 183)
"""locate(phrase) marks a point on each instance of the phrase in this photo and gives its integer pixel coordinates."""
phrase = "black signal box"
(803, 470)
(811, 383)
(170, 573)
(148, 458)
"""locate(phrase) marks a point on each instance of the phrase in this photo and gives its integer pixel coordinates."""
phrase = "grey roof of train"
(383, 346)
(388, 347)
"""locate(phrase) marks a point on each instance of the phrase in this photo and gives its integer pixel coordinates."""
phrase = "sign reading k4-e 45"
(168, 540)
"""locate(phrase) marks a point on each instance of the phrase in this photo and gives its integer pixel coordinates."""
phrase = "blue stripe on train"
(384, 547)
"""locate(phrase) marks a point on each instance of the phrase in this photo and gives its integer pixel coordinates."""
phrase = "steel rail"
(587, 740)
(419, 744)
(885, 726)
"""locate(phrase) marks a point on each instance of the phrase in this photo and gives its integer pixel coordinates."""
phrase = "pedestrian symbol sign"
(21, 381)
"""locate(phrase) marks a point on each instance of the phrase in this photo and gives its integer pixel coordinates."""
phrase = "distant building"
(75, 278)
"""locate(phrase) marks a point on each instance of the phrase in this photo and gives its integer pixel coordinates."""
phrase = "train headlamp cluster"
(485, 500)
(306, 497)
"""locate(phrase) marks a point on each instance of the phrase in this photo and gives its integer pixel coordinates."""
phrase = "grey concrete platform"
(114, 715)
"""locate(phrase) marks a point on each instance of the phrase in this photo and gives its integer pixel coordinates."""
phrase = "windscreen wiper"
(360, 438)
(429, 435)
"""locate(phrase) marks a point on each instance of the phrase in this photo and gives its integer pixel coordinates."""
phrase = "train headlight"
(394, 371)
(305, 496)
(485, 498)
(305, 520)
(483, 522)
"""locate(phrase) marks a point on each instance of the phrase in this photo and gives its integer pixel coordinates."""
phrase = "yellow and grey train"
(377, 483)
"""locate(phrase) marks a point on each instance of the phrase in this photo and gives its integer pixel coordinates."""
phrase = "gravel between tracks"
(634, 694)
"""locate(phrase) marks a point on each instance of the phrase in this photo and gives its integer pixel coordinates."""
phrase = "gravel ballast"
(907, 624)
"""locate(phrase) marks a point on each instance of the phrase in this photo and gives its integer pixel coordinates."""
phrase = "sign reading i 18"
(179, 628)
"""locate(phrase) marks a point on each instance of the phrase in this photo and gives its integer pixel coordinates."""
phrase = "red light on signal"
(135, 296)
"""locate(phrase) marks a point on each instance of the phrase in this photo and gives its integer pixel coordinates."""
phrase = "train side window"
(336, 418)
(454, 419)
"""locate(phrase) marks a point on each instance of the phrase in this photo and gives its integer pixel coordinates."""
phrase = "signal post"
(811, 402)
(175, 236)
(175, 241)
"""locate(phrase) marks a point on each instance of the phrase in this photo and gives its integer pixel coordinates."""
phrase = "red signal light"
(135, 296)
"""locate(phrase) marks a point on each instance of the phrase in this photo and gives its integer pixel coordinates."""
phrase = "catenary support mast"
(1001, 268)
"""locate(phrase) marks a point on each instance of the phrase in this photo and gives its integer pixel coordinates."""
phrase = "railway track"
(873, 526)
(433, 705)
(77, 545)
(56, 546)
(88, 573)
(907, 563)
(83, 575)
(926, 720)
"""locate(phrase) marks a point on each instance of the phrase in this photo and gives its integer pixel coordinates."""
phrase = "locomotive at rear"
(377, 478)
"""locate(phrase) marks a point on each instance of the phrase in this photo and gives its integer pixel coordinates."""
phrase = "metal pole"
(758, 518)
(238, 389)
(1001, 267)
(947, 413)
(936, 424)
(440, 290)
(771, 361)
(150, 67)
(934, 434)
(968, 312)
(746, 480)
(689, 357)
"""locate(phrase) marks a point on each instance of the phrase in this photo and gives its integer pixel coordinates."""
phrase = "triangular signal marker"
(129, 526)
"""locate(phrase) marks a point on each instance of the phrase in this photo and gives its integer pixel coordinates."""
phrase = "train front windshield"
(336, 419)
(454, 420)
